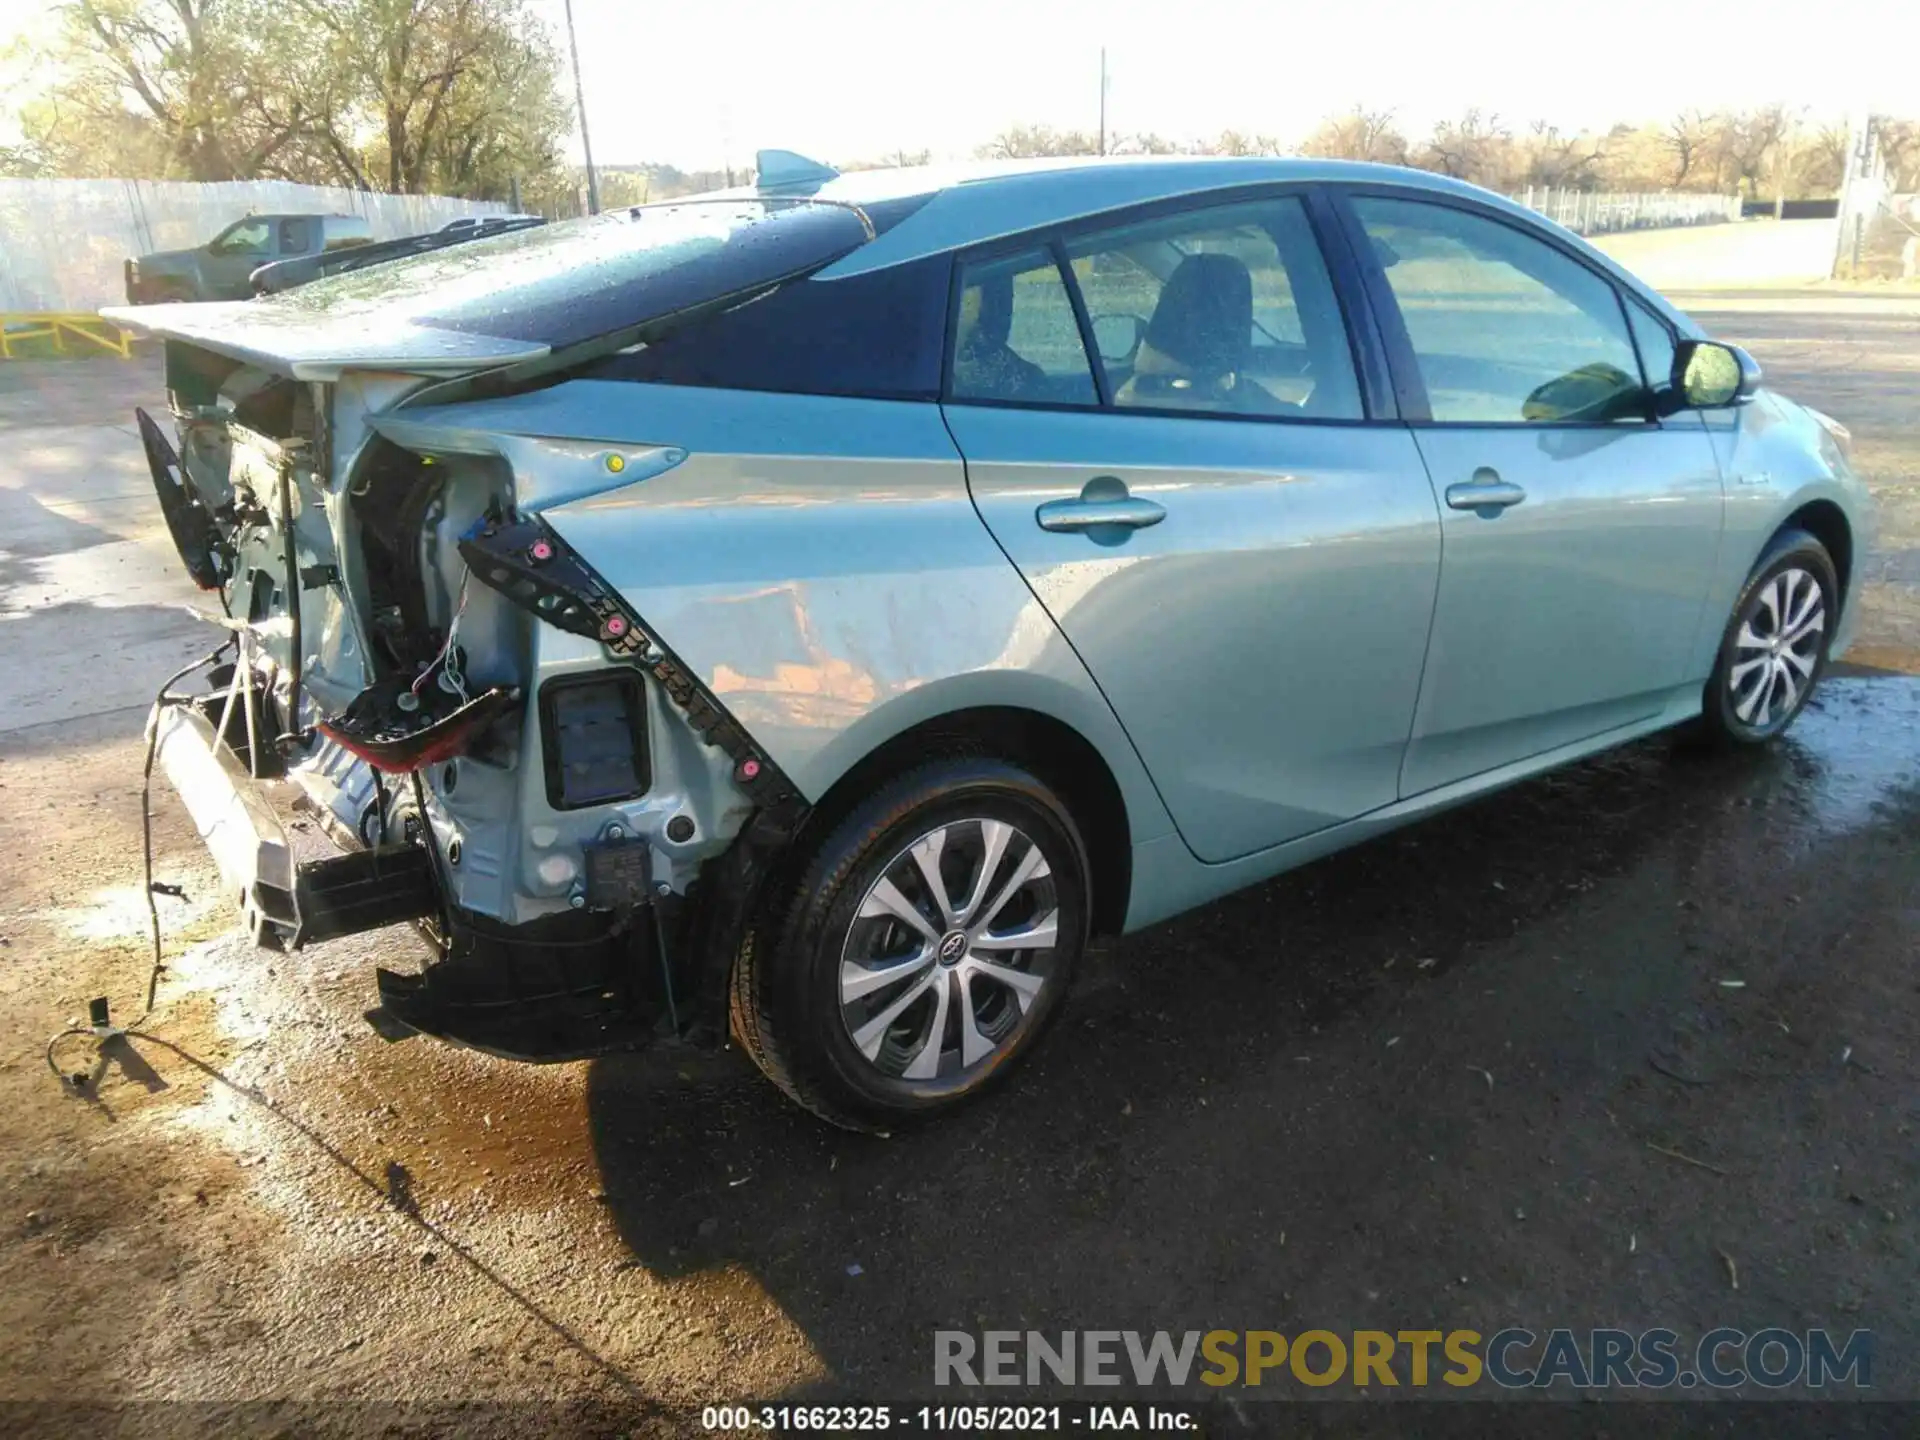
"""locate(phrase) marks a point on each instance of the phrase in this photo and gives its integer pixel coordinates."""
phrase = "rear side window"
(875, 335)
(1015, 337)
(1505, 328)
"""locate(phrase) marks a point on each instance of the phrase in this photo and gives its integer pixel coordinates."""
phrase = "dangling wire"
(446, 650)
(163, 700)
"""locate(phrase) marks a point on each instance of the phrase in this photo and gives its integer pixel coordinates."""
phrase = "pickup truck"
(278, 275)
(222, 269)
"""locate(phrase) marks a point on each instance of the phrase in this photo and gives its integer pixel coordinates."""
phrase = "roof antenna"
(784, 170)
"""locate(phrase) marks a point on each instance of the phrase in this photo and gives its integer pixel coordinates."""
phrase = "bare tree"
(1559, 161)
(1022, 142)
(1689, 136)
(1236, 142)
(1144, 144)
(1818, 164)
(1899, 144)
(1475, 147)
(1744, 145)
(1358, 134)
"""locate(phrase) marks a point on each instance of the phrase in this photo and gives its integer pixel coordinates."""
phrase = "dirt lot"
(1447, 1080)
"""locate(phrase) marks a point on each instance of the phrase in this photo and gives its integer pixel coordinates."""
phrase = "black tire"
(786, 993)
(1729, 690)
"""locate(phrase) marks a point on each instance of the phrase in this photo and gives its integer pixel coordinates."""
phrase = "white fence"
(63, 243)
(1592, 212)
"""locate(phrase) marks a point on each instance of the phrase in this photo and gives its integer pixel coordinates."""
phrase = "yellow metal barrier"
(17, 326)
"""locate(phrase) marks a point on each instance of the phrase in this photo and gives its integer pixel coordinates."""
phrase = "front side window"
(1505, 328)
(1226, 310)
(1656, 347)
(1015, 338)
(247, 237)
(294, 236)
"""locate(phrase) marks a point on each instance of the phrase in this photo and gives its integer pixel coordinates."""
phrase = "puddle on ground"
(1854, 755)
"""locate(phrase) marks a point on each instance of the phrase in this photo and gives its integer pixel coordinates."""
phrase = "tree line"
(456, 97)
(467, 97)
(1766, 152)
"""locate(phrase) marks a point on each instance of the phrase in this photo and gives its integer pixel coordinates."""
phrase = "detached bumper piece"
(286, 902)
(568, 987)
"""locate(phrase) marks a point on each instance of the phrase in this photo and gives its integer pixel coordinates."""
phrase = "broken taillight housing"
(397, 730)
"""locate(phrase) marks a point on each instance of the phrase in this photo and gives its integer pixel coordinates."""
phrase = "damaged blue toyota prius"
(811, 612)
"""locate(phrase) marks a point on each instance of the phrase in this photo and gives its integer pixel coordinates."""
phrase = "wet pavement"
(1583, 1054)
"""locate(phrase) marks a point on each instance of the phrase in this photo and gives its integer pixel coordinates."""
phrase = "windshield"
(560, 284)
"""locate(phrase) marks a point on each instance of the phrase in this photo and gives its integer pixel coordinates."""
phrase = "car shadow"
(1215, 1082)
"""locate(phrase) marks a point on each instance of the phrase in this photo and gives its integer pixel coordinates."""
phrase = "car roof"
(980, 201)
(983, 200)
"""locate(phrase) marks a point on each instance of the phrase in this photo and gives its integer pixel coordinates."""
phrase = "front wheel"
(1775, 646)
(928, 942)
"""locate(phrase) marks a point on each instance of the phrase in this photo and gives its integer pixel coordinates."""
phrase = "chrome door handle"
(1089, 513)
(1094, 507)
(1486, 493)
(1079, 514)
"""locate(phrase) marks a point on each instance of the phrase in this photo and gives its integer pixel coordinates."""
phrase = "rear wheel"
(1774, 650)
(927, 944)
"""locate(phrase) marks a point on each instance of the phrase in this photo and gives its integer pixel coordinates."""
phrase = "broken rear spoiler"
(511, 299)
(307, 346)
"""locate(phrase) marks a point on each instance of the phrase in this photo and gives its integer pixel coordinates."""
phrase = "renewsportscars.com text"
(1514, 1358)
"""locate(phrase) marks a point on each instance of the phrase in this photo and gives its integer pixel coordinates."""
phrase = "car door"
(232, 258)
(1245, 562)
(1580, 532)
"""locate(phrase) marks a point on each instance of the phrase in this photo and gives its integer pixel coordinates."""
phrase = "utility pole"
(580, 103)
(1103, 99)
(1859, 129)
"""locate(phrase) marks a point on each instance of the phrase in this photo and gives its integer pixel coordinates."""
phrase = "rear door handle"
(1486, 493)
(1102, 501)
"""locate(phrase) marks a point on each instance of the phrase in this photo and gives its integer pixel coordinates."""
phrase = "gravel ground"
(1489, 1071)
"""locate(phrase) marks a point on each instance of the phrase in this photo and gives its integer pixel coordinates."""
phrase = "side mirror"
(1117, 337)
(1708, 375)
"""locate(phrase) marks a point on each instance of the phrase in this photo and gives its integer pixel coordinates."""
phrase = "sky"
(710, 82)
(707, 83)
